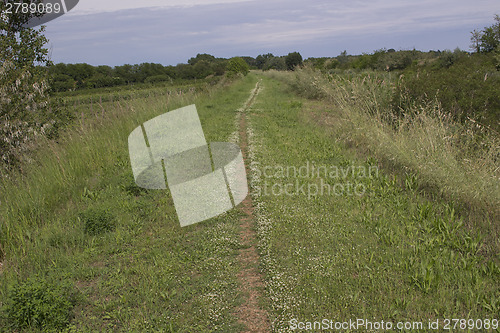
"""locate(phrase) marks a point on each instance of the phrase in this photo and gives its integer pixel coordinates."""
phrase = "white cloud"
(320, 27)
(362, 18)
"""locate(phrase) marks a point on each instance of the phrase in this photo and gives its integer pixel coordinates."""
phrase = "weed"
(97, 221)
(40, 304)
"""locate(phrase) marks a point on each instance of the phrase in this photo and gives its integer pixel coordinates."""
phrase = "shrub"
(237, 65)
(25, 108)
(97, 221)
(277, 63)
(158, 78)
(468, 88)
(37, 303)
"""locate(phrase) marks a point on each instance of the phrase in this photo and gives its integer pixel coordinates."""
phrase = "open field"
(345, 227)
(388, 253)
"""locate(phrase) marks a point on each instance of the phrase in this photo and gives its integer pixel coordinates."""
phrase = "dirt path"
(249, 313)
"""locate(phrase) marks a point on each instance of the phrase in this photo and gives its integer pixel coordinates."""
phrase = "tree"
(80, 73)
(186, 72)
(277, 63)
(262, 59)
(23, 61)
(293, 60)
(219, 68)
(125, 72)
(25, 107)
(201, 57)
(497, 58)
(237, 65)
(202, 69)
(62, 82)
(487, 39)
(475, 40)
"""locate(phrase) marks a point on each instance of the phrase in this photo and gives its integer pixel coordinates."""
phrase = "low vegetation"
(414, 239)
(451, 159)
(390, 253)
(75, 212)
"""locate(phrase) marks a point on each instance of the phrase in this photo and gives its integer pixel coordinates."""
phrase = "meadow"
(413, 239)
(398, 250)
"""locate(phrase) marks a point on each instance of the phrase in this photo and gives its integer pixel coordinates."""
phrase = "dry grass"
(457, 161)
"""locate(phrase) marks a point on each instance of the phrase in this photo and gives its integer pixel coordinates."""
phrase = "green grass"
(390, 254)
(77, 215)
(76, 218)
(451, 160)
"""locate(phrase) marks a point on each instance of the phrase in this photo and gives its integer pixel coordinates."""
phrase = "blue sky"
(116, 32)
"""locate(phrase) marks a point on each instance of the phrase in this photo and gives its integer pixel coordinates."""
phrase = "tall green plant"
(25, 108)
(488, 39)
(237, 65)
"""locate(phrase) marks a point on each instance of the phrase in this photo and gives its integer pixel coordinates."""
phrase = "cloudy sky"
(116, 32)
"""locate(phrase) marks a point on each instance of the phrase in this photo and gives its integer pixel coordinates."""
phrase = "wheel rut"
(249, 313)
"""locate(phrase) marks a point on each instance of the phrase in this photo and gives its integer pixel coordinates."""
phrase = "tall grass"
(56, 172)
(459, 161)
(75, 215)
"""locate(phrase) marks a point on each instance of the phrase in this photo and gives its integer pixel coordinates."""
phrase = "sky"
(117, 32)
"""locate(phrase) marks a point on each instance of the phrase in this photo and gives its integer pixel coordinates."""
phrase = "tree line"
(65, 77)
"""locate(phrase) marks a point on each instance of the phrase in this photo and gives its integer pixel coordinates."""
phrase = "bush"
(468, 88)
(40, 304)
(397, 60)
(26, 111)
(237, 65)
(277, 63)
(97, 221)
(158, 78)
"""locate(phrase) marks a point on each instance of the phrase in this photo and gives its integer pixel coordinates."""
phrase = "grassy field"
(342, 234)
(148, 274)
(352, 243)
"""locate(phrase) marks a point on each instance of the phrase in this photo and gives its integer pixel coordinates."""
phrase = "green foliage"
(262, 59)
(497, 58)
(397, 60)
(276, 63)
(237, 65)
(158, 78)
(252, 63)
(23, 84)
(62, 82)
(40, 304)
(396, 252)
(343, 58)
(67, 77)
(293, 60)
(26, 110)
(389, 60)
(465, 86)
(97, 221)
(208, 58)
(448, 58)
(488, 39)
